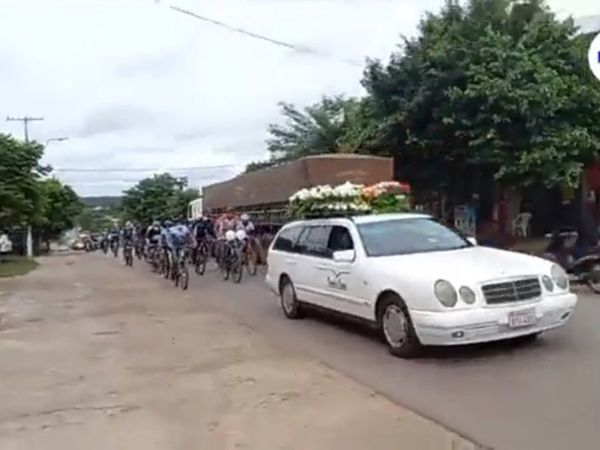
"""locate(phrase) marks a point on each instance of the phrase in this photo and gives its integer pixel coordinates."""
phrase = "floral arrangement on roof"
(350, 198)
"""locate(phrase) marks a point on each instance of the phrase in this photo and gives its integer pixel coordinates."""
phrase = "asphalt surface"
(506, 396)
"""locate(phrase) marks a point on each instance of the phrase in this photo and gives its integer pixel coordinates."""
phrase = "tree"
(158, 198)
(489, 88)
(60, 207)
(20, 172)
(316, 130)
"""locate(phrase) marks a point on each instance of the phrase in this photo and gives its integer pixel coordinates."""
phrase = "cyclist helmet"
(245, 217)
(167, 224)
(230, 235)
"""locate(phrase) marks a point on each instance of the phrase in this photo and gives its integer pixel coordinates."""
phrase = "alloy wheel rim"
(395, 326)
(288, 298)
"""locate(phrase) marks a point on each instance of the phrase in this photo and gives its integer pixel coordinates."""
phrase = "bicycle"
(181, 276)
(250, 256)
(114, 247)
(231, 261)
(139, 249)
(128, 253)
(201, 255)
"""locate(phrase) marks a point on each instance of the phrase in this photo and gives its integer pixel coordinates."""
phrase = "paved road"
(544, 395)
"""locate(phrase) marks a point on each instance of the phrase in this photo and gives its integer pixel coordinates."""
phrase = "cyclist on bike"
(153, 233)
(113, 238)
(177, 237)
(246, 224)
(225, 222)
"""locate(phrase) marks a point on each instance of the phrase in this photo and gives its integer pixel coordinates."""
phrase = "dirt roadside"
(93, 356)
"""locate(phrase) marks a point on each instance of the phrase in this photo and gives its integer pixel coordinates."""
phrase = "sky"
(139, 88)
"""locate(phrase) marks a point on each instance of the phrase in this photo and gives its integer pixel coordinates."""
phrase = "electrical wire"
(251, 34)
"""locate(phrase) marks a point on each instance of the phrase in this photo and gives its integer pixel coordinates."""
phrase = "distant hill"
(104, 201)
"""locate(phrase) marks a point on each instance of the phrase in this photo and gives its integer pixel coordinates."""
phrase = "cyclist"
(226, 222)
(113, 238)
(128, 235)
(246, 224)
(153, 233)
(177, 237)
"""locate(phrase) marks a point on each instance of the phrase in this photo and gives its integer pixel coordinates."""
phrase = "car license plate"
(522, 318)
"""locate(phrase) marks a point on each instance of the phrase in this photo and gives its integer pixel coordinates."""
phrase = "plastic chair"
(520, 224)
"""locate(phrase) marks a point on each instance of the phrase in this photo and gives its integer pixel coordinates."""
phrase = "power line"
(251, 34)
(149, 169)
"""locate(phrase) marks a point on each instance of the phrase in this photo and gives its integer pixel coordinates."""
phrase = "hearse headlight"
(548, 283)
(445, 293)
(559, 276)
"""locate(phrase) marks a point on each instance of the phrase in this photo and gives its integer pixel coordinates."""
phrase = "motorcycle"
(584, 269)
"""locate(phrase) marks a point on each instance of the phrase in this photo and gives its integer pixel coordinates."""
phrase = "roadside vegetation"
(12, 266)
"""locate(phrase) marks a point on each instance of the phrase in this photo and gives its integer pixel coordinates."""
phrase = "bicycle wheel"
(251, 261)
(237, 269)
(166, 269)
(184, 277)
(201, 258)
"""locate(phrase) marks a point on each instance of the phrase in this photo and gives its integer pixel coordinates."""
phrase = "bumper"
(490, 323)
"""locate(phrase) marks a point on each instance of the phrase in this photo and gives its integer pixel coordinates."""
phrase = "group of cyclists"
(170, 245)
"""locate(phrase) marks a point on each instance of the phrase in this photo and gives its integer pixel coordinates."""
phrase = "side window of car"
(286, 240)
(340, 239)
(313, 241)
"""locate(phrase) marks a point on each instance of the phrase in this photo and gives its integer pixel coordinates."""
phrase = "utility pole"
(26, 120)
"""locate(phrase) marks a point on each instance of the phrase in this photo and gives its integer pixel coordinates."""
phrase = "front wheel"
(251, 262)
(397, 329)
(592, 278)
(237, 269)
(184, 277)
(201, 258)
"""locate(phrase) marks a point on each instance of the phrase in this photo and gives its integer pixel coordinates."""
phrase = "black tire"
(252, 263)
(201, 258)
(225, 270)
(406, 344)
(237, 270)
(184, 277)
(290, 305)
(592, 279)
(165, 269)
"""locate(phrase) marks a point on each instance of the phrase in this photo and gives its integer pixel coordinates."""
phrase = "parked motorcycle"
(583, 269)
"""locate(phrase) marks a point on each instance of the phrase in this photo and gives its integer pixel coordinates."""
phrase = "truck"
(264, 194)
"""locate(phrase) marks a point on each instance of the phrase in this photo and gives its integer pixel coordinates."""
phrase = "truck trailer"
(264, 193)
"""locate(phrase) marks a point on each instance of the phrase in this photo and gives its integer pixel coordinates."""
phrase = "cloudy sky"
(137, 86)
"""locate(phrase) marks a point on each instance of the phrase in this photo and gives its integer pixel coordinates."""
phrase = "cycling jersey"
(153, 234)
(247, 226)
(177, 236)
(127, 234)
(203, 228)
(226, 224)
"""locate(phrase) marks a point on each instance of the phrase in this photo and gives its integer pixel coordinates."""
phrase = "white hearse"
(418, 281)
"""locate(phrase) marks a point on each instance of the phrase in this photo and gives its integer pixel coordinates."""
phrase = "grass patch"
(11, 266)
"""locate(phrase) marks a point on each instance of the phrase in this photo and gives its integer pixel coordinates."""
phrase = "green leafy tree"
(60, 207)
(158, 198)
(491, 88)
(315, 130)
(20, 173)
